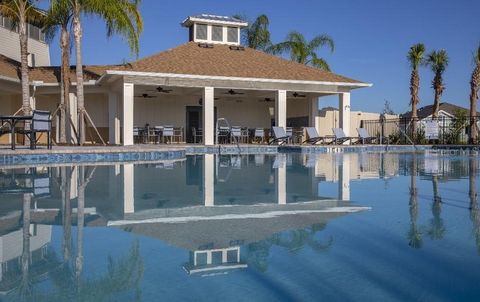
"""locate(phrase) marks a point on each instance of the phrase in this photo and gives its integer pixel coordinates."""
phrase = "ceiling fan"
(233, 92)
(161, 90)
(145, 96)
(298, 95)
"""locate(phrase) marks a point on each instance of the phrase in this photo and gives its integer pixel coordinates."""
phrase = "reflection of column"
(209, 180)
(128, 190)
(344, 178)
(281, 181)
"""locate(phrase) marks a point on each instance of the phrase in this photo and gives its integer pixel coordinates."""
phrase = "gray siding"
(10, 47)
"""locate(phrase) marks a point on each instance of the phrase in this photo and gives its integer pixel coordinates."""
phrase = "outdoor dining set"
(245, 135)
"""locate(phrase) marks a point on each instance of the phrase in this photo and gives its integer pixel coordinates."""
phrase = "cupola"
(214, 29)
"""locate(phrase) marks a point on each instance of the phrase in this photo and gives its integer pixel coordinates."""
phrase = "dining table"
(12, 121)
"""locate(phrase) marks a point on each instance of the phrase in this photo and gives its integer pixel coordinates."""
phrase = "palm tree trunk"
(67, 214)
(474, 85)
(65, 47)
(414, 87)
(77, 32)
(472, 192)
(22, 24)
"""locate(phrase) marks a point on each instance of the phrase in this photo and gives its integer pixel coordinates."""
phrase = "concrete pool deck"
(149, 152)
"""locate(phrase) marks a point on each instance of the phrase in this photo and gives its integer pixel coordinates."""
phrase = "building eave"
(351, 85)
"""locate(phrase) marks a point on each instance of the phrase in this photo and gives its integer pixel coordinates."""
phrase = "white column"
(128, 190)
(344, 109)
(281, 180)
(127, 116)
(344, 178)
(314, 118)
(209, 180)
(72, 108)
(281, 108)
(113, 119)
(208, 116)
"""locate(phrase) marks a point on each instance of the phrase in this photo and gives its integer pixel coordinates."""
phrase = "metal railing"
(441, 130)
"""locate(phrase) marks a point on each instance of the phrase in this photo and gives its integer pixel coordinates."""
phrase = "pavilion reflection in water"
(221, 209)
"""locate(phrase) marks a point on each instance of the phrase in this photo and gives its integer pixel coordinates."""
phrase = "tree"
(121, 17)
(414, 235)
(256, 35)
(387, 108)
(438, 62)
(474, 87)
(22, 12)
(303, 51)
(59, 17)
(415, 58)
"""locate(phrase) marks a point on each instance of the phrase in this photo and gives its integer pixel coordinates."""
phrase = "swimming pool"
(335, 226)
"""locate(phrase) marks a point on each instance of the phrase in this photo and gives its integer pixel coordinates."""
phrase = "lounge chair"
(340, 137)
(364, 137)
(279, 135)
(41, 123)
(313, 136)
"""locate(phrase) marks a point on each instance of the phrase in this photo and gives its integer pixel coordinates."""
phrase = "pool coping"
(153, 153)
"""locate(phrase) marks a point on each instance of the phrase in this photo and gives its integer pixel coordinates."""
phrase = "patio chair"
(259, 135)
(197, 135)
(279, 136)
(289, 132)
(41, 123)
(223, 134)
(340, 137)
(364, 137)
(168, 133)
(313, 136)
(236, 134)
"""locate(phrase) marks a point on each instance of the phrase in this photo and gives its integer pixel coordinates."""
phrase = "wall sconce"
(347, 107)
(271, 110)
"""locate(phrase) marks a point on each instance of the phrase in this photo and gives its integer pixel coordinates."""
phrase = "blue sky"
(371, 37)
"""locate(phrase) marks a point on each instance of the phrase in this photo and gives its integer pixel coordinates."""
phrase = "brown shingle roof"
(220, 60)
(191, 59)
(426, 111)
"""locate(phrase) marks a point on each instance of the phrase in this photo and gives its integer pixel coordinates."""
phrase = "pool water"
(285, 227)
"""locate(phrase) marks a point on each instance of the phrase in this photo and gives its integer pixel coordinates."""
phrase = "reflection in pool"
(381, 226)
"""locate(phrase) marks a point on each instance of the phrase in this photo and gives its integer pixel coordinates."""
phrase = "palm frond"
(321, 40)
(320, 63)
(416, 55)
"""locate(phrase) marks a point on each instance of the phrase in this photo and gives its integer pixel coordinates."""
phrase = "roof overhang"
(190, 80)
(190, 20)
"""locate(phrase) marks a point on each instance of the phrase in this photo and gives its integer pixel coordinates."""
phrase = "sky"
(372, 38)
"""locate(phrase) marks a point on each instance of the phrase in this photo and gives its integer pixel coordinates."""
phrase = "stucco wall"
(330, 119)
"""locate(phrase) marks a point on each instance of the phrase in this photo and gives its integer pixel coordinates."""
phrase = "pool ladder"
(223, 128)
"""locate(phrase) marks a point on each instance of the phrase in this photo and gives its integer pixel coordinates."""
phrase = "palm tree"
(256, 35)
(438, 62)
(59, 17)
(303, 51)
(474, 86)
(121, 17)
(22, 12)
(415, 58)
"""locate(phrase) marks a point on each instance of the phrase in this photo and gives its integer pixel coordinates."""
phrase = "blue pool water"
(291, 227)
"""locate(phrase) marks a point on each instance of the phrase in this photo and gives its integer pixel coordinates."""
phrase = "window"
(217, 33)
(201, 32)
(33, 32)
(232, 34)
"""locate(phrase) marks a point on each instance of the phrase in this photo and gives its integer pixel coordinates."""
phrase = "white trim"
(188, 22)
(43, 84)
(5, 78)
(205, 77)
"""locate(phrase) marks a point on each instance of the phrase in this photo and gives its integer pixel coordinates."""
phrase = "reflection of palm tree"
(294, 241)
(25, 289)
(67, 212)
(414, 235)
(437, 228)
(122, 275)
(472, 192)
